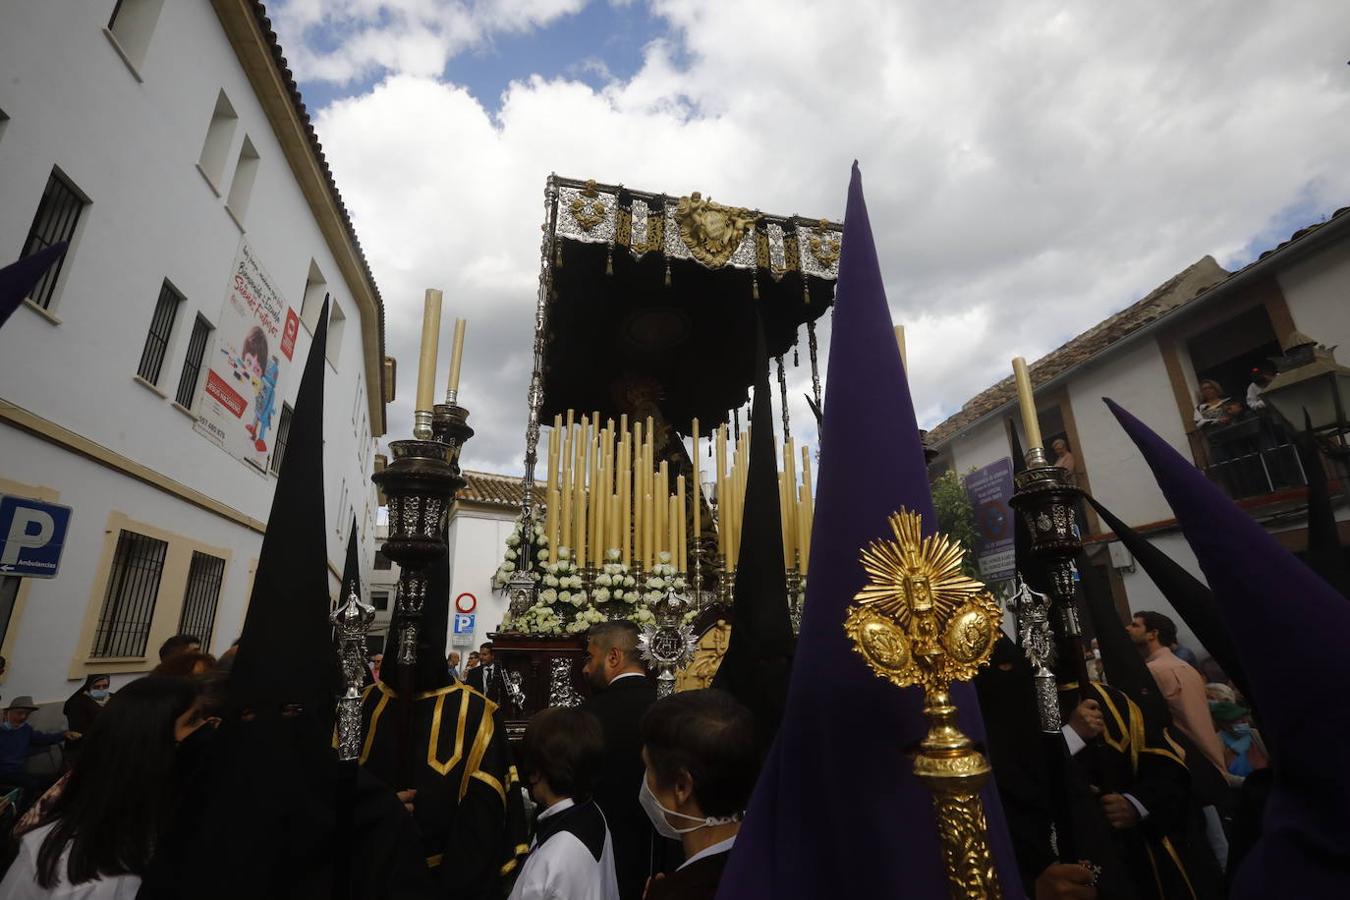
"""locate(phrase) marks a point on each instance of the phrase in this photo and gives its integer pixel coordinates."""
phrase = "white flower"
(629, 581)
(510, 554)
(550, 581)
(564, 596)
(612, 554)
(663, 556)
(513, 540)
(656, 584)
(548, 596)
(604, 580)
(678, 584)
(579, 598)
(564, 553)
(602, 595)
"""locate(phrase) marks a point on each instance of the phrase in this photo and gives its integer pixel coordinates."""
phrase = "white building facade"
(165, 141)
(1203, 324)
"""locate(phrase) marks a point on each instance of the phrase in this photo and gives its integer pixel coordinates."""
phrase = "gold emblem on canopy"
(711, 231)
(921, 621)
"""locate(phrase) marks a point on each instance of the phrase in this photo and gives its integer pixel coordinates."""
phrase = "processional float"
(643, 355)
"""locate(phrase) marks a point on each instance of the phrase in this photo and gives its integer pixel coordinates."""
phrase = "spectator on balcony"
(1261, 378)
(1211, 410)
(1063, 455)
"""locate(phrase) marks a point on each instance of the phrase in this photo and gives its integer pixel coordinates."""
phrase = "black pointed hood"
(431, 671)
(18, 279)
(756, 666)
(351, 569)
(285, 650)
(1325, 554)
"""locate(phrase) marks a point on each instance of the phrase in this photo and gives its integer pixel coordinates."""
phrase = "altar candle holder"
(419, 485)
(1048, 502)
(794, 598)
(449, 426)
(351, 621)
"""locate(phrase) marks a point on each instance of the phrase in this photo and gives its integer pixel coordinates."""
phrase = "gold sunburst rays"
(920, 619)
(914, 571)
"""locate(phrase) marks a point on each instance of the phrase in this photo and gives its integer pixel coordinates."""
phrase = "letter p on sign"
(32, 535)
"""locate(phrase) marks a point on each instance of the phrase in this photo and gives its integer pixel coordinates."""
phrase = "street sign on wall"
(32, 536)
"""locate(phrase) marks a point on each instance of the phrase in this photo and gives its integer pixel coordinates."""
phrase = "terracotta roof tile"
(493, 490)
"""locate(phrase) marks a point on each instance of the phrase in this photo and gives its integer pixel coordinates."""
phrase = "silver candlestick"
(351, 621)
(1032, 610)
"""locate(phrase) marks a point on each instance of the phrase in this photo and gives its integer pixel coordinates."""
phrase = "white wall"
(982, 445)
(1317, 290)
(477, 546)
(132, 147)
(1137, 380)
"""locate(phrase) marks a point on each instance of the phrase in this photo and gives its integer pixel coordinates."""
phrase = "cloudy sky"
(1030, 167)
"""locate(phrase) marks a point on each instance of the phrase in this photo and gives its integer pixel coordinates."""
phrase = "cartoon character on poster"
(264, 405)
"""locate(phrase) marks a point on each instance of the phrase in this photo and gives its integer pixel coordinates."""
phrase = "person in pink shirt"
(1184, 687)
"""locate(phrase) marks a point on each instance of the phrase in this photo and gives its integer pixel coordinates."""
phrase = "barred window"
(161, 328)
(203, 593)
(129, 603)
(379, 600)
(57, 215)
(382, 562)
(192, 363)
(283, 434)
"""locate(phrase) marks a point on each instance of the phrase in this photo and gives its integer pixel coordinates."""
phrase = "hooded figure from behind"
(262, 823)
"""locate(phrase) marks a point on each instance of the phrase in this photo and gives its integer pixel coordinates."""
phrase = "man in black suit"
(623, 694)
(486, 678)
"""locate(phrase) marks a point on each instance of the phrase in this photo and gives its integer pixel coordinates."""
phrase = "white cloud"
(1029, 167)
(341, 41)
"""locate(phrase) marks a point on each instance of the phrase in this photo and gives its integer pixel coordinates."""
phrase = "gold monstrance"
(921, 621)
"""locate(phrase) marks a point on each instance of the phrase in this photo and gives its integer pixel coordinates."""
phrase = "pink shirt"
(1184, 689)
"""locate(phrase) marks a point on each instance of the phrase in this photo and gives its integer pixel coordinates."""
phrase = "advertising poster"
(989, 490)
(241, 400)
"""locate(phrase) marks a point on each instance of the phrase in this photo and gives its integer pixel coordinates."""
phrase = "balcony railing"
(1249, 458)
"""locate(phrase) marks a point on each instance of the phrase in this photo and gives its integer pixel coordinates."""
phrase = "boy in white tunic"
(571, 857)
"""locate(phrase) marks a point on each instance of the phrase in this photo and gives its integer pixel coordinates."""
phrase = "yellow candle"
(678, 523)
(900, 340)
(1030, 424)
(674, 537)
(666, 526)
(647, 533)
(579, 488)
(426, 362)
(612, 521)
(720, 450)
(553, 500)
(625, 499)
(456, 356)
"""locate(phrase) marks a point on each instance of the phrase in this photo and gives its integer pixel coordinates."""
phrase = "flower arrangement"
(513, 551)
(585, 618)
(562, 582)
(538, 619)
(614, 583)
(662, 578)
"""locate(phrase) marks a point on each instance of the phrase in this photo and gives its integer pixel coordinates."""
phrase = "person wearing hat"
(17, 740)
(1243, 750)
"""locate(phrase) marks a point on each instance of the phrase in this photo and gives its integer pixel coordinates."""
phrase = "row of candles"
(605, 490)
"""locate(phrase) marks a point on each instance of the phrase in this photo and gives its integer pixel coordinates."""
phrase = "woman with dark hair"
(83, 706)
(190, 664)
(98, 835)
(702, 759)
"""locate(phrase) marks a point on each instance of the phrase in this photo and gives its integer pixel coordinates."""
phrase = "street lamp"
(1311, 380)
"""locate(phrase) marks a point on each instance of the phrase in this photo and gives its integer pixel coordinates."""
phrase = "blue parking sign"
(32, 535)
(464, 623)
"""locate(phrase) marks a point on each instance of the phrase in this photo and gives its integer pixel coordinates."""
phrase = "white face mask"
(657, 814)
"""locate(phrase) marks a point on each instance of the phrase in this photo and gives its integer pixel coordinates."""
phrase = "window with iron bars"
(129, 602)
(161, 328)
(57, 215)
(192, 363)
(283, 434)
(203, 593)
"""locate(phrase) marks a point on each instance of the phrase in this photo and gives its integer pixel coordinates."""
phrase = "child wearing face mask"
(572, 855)
(702, 759)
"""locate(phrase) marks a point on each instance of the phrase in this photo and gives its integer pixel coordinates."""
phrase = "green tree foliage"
(956, 518)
